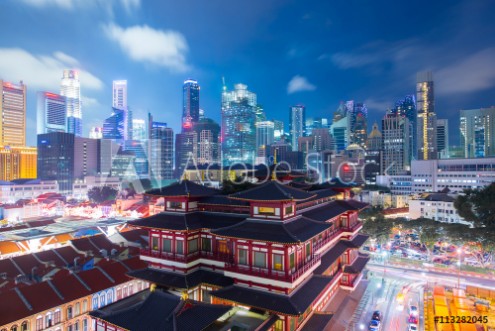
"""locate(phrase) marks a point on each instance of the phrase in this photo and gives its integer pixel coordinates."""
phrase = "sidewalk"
(343, 305)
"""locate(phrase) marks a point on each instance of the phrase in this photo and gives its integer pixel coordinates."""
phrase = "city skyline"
(327, 58)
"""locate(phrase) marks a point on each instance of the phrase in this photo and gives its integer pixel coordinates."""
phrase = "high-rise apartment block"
(478, 132)
(12, 114)
(51, 113)
(427, 119)
(70, 88)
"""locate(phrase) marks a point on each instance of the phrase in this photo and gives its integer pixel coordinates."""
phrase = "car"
(374, 325)
(412, 327)
(413, 319)
(413, 310)
(377, 315)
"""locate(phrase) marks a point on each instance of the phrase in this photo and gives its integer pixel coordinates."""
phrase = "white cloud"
(128, 5)
(298, 84)
(42, 71)
(378, 105)
(473, 73)
(145, 44)
(89, 102)
(65, 4)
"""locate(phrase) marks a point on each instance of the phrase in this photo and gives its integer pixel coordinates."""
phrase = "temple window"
(278, 262)
(266, 211)
(289, 210)
(243, 256)
(166, 245)
(292, 261)
(206, 244)
(179, 247)
(192, 245)
(154, 243)
(260, 259)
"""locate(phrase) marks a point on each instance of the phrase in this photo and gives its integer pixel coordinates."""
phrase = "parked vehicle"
(374, 325)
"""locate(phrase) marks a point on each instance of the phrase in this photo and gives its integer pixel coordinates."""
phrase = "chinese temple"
(274, 255)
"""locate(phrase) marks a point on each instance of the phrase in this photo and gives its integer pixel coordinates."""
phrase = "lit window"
(278, 262)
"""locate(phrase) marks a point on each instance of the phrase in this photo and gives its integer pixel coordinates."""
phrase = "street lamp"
(361, 326)
(384, 254)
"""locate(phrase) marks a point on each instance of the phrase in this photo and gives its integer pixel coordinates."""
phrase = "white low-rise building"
(436, 206)
(20, 189)
(455, 174)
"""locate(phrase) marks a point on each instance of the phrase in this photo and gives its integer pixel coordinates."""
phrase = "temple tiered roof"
(297, 230)
(159, 310)
(189, 221)
(181, 281)
(294, 304)
(273, 191)
(183, 188)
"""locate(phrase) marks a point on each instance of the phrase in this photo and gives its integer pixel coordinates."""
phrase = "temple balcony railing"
(273, 273)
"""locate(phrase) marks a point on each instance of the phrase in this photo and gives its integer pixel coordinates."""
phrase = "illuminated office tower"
(207, 131)
(395, 145)
(443, 138)
(51, 113)
(161, 150)
(264, 138)
(190, 104)
(71, 89)
(478, 132)
(427, 119)
(278, 130)
(12, 114)
(238, 125)
(297, 124)
(407, 107)
(17, 162)
(119, 94)
(358, 116)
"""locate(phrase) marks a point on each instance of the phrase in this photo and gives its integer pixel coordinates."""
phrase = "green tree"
(477, 206)
(229, 187)
(378, 227)
(101, 194)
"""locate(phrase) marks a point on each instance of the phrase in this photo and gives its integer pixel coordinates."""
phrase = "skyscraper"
(426, 125)
(372, 158)
(17, 162)
(12, 114)
(64, 157)
(395, 145)
(139, 129)
(264, 138)
(119, 94)
(278, 130)
(208, 132)
(190, 104)
(358, 116)
(407, 107)
(161, 150)
(297, 124)
(96, 132)
(478, 132)
(51, 113)
(238, 125)
(443, 138)
(186, 151)
(70, 88)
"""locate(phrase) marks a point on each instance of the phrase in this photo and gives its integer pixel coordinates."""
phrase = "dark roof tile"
(183, 188)
(272, 191)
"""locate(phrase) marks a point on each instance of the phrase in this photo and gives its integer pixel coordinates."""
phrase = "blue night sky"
(312, 52)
